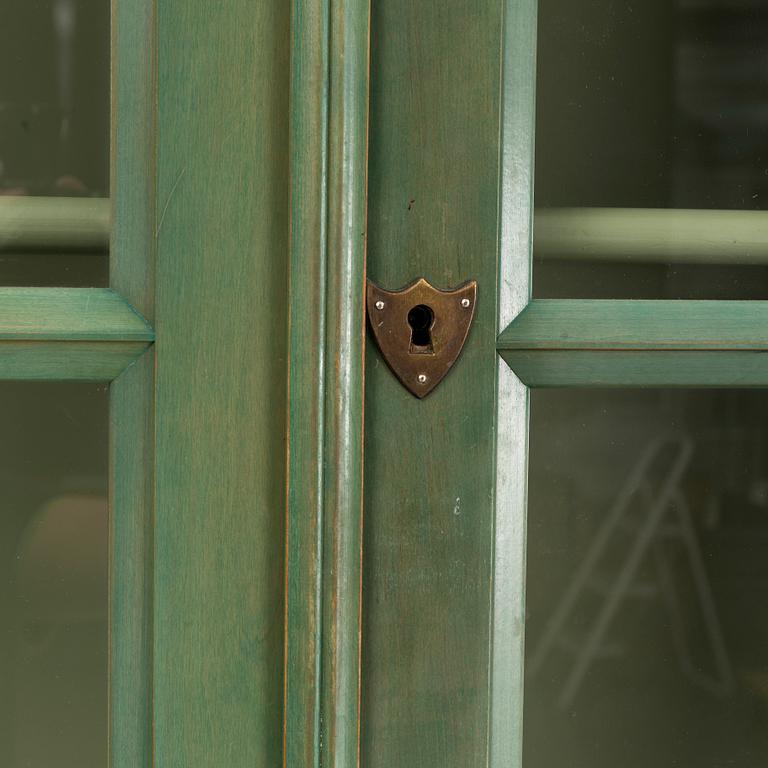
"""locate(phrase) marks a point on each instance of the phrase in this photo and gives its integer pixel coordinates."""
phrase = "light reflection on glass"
(659, 104)
(54, 131)
(53, 572)
(646, 641)
(54, 97)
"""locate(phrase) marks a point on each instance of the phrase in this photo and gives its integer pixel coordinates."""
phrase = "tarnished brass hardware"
(421, 330)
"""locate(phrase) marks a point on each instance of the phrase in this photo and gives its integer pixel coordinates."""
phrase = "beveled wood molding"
(70, 314)
(328, 133)
(593, 343)
(68, 334)
(516, 156)
(132, 434)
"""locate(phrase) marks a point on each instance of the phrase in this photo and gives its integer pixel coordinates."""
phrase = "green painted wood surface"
(68, 333)
(344, 360)
(67, 360)
(747, 368)
(307, 381)
(549, 324)
(132, 433)
(131, 491)
(429, 465)
(221, 369)
(57, 224)
(639, 343)
(133, 176)
(505, 735)
(69, 314)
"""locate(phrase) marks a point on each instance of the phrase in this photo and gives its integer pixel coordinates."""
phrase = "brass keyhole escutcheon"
(421, 329)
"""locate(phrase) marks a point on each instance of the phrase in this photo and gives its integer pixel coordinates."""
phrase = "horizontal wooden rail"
(572, 343)
(68, 333)
(33, 224)
(651, 235)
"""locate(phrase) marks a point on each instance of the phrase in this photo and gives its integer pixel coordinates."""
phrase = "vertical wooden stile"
(222, 229)
(429, 475)
(132, 180)
(329, 113)
(516, 153)
(306, 380)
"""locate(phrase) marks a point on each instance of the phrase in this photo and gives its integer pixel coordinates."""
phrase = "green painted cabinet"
(309, 566)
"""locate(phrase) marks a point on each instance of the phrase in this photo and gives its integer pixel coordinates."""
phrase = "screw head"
(422, 378)
(379, 304)
(465, 303)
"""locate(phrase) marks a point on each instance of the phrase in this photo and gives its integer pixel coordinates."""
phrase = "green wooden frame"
(197, 439)
(329, 126)
(95, 334)
(132, 257)
(199, 246)
(196, 669)
(452, 107)
(74, 333)
(638, 343)
(220, 226)
(505, 741)
(428, 684)
(239, 632)
(516, 344)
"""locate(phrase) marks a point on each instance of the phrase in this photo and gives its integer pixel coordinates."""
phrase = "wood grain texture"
(612, 368)
(638, 325)
(57, 224)
(69, 314)
(67, 360)
(307, 381)
(505, 747)
(68, 333)
(133, 172)
(429, 479)
(130, 625)
(348, 70)
(639, 343)
(132, 433)
(221, 321)
(329, 104)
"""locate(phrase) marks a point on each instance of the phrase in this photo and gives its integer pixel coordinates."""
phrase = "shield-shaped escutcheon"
(421, 330)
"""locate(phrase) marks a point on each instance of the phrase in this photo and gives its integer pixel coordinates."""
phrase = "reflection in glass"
(54, 136)
(646, 638)
(54, 97)
(53, 576)
(653, 105)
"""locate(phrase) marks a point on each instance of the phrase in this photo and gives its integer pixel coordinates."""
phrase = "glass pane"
(53, 582)
(658, 106)
(646, 638)
(54, 97)
(54, 131)
(64, 270)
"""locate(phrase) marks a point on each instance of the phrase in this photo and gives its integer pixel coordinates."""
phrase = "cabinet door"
(179, 308)
(392, 567)
(407, 621)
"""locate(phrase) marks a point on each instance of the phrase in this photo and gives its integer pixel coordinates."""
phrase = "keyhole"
(421, 318)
